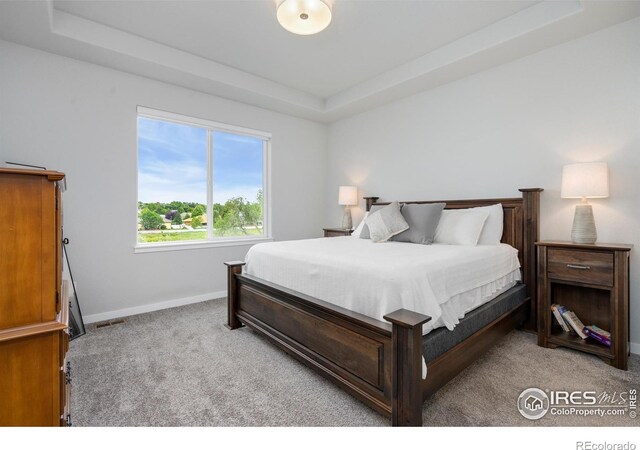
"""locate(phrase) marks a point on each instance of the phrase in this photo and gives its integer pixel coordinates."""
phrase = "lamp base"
(347, 223)
(584, 226)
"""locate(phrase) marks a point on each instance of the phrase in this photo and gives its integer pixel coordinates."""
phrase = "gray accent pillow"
(364, 234)
(386, 222)
(423, 221)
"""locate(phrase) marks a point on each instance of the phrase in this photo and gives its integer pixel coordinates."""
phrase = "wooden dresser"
(34, 310)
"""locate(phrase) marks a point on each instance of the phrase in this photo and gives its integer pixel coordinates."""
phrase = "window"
(199, 181)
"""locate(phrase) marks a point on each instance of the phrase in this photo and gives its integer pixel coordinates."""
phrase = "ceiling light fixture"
(304, 16)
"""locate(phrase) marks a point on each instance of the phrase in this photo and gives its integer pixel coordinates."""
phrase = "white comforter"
(441, 281)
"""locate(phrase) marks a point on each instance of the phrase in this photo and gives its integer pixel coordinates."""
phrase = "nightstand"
(334, 232)
(592, 280)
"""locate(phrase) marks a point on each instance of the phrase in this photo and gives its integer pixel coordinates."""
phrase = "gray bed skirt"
(440, 340)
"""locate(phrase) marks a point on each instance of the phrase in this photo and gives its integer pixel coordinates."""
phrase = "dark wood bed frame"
(377, 362)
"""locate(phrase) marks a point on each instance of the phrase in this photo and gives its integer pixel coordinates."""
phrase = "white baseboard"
(634, 348)
(100, 317)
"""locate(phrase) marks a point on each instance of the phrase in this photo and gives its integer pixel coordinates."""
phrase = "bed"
(377, 350)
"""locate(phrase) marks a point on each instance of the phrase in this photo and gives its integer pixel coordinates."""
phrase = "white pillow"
(386, 223)
(460, 226)
(492, 230)
(358, 230)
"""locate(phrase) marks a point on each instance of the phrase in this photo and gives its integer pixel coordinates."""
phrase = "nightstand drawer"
(581, 266)
(336, 232)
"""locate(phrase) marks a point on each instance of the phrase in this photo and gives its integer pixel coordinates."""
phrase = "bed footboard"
(378, 363)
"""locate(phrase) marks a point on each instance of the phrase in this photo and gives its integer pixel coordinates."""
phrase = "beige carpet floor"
(182, 367)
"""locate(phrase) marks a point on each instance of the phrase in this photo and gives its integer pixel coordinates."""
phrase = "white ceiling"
(373, 51)
(361, 42)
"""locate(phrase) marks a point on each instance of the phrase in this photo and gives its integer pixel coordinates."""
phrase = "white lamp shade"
(588, 180)
(348, 195)
(304, 16)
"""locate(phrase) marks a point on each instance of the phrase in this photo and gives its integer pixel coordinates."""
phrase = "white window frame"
(211, 126)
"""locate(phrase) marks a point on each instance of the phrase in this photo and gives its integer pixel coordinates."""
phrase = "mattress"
(441, 340)
(442, 281)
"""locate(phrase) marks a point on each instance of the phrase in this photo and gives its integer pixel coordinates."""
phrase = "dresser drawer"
(580, 266)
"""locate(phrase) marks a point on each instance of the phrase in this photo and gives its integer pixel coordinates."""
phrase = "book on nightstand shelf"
(575, 323)
(599, 331)
(571, 323)
(557, 313)
(597, 336)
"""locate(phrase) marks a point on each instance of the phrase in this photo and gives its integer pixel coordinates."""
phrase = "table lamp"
(347, 196)
(584, 180)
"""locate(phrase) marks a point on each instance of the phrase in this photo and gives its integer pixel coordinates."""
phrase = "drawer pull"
(577, 266)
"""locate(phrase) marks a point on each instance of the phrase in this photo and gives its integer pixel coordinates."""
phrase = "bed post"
(406, 369)
(233, 268)
(370, 201)
(531, 225)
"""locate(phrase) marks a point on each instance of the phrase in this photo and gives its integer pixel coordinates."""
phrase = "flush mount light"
(304, 16)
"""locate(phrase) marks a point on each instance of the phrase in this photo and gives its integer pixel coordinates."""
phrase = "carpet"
(182, 367)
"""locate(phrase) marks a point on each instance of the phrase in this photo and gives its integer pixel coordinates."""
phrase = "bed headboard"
(521, 229)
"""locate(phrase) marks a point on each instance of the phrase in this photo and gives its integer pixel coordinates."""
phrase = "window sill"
(191, 245)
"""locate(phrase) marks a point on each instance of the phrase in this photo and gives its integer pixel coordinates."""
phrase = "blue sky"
(172, 163)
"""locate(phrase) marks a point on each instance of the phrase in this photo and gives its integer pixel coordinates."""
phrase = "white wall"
(509, 127)
(484, 136)
(80, 119)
